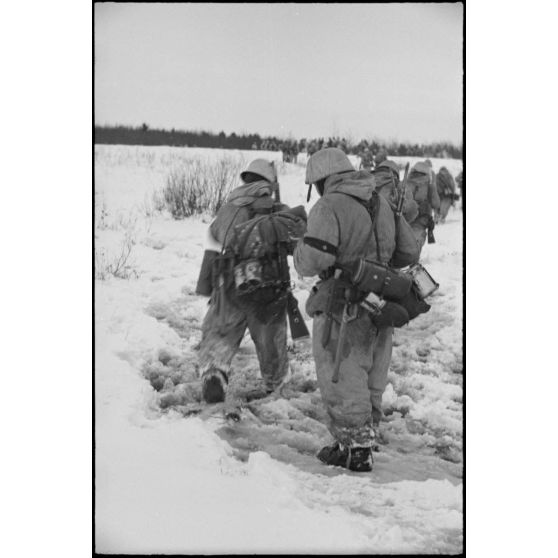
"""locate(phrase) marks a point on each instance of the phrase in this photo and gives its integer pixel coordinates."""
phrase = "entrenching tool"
(350, 312)
(329, 316)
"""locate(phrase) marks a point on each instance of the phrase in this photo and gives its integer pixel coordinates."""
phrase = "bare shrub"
(200, 186)
(115, 259)
(118, 264)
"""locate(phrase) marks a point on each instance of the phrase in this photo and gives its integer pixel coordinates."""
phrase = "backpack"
(420, 185)
(445, 183)
(258, 249)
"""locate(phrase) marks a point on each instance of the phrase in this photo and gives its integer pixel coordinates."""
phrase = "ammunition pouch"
(371, 276)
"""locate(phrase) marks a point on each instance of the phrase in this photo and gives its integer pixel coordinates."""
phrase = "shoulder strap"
(373, 208)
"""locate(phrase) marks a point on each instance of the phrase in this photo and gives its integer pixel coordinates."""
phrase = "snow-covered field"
(166, 483)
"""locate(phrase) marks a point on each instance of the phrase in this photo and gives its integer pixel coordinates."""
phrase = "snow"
(167, 483)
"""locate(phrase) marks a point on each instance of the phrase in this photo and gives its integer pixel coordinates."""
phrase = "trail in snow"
(292, 428)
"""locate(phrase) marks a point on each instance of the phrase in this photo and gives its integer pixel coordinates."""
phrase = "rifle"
(275, 185)
(431, 239)
(222, 262)
(296, 322)
(403, 192)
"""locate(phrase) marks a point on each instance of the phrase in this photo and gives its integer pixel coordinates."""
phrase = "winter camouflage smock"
(342, 221)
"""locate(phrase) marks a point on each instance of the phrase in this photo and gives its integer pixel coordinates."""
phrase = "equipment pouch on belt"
(371, 276)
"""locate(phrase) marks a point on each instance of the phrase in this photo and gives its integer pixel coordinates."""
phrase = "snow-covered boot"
(214, 383)
(354, 458)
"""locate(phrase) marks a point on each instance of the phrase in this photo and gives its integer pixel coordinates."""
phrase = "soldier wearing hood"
(445, 185)
(386, 176)
(423, 188)
(226, 320)
(340, 231)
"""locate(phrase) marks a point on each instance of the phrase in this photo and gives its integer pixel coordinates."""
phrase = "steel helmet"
(326, 162)
(381, 156)
(263, 168)
(422, 167)
(390, 165)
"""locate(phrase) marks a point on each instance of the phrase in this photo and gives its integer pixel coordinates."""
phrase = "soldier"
(461, 186)
(294, 151)
(340, 231)
(380, 157)
(445, 186)
(432, 173)
(386, 175)
(285, 151)
(227, 319)
(366, 160)
(426, 195)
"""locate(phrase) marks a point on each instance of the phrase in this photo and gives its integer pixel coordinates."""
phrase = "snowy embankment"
(169, 484)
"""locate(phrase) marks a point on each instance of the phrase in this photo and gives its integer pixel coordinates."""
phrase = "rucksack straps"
(372, 206)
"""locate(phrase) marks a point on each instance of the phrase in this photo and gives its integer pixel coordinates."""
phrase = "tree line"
(145, 135)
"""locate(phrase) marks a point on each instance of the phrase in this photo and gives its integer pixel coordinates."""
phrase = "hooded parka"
(445, 185)
(339, 232)
(422, 185)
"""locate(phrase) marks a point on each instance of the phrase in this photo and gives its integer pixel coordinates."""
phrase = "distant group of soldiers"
(349, 147)
(290, 150)
(321, 143)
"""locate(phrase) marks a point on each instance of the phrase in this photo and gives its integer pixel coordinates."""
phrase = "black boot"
(214, 383)
(356, 458)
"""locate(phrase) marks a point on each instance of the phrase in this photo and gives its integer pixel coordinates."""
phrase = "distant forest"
(144, 135)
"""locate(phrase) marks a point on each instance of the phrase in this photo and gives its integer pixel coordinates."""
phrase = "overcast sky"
(391, 71)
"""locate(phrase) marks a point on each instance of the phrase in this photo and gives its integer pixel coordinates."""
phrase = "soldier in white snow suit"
(423, 188)
(380, 157)
(386, 176)
(366, 159)
(226, 320)
(340, 231)
(445, 185)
